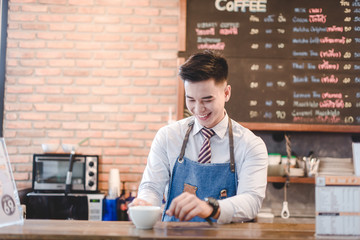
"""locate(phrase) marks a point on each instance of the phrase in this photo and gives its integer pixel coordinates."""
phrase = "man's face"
(206, 100)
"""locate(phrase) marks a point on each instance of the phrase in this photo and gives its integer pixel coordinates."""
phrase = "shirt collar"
(220, 128)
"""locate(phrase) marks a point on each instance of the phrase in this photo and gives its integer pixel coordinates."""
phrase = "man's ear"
(227, 93)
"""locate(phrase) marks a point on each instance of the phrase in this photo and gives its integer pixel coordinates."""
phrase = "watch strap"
(214, 204)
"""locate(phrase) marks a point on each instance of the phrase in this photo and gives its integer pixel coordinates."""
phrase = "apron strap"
(182, 153)
(231, 143)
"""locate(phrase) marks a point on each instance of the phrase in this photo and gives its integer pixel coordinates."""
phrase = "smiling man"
(213, 168)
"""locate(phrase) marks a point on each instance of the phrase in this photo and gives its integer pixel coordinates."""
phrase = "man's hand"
(139, 202)
(186, 206)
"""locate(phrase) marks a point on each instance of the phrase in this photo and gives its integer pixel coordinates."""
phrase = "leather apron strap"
(231, 144)
(186, 139)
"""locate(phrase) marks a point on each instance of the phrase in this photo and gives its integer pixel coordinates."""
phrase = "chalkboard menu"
(293, 64)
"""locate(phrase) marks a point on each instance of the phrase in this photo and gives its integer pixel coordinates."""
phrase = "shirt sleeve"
(252, 181)
(157, 171)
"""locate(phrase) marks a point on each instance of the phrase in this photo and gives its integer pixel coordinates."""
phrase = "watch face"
(211, 201)
(215, 202)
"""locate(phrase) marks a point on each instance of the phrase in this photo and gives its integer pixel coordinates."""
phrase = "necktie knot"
(207, 132)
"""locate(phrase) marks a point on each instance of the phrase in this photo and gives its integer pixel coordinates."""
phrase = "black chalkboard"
(294, 65)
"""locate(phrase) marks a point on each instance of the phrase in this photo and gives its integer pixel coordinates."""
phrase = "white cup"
(145, 217)
(114, 183)
(50, 148)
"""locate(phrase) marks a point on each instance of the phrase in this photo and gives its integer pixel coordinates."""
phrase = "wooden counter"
(70, 229)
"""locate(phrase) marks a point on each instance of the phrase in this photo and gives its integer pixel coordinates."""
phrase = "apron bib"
(217, 180)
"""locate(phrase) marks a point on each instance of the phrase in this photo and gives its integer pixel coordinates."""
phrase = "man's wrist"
(215, 206)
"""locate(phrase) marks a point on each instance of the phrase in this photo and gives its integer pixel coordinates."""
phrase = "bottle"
(122, 206)
(131, 196)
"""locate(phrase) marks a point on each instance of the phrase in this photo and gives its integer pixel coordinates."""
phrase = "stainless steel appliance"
(50, 170)
(58, 206)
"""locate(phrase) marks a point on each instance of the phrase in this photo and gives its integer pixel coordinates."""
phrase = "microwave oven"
(50, 171)
(74, 206)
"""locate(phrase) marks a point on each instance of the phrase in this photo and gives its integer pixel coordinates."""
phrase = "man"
(226, 178)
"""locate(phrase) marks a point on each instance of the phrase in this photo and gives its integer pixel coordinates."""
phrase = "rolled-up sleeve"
(252, 181)
(157, 171)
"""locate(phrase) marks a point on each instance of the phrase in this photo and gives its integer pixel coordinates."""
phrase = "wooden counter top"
(70, 229)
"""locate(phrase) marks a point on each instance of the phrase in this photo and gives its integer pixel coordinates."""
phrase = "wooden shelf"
(306, 180)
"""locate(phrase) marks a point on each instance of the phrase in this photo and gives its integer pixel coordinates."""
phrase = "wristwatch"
(214, 204)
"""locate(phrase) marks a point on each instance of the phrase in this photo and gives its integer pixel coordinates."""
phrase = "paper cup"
(114, 183)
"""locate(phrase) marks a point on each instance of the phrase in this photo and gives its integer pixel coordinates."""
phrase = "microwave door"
(51, 175)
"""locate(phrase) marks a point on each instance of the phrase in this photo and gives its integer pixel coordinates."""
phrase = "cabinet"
(305, 180)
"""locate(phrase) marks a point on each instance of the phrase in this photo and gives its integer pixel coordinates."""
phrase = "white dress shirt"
(251, 159)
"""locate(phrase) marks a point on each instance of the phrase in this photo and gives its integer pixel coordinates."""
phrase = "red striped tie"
(205, 151)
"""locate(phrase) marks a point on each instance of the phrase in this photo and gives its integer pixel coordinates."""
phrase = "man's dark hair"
(203, 66)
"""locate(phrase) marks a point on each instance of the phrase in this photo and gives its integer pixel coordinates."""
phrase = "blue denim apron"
(217, 180)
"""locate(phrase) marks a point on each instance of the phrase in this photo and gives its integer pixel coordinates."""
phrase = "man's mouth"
(203, 116)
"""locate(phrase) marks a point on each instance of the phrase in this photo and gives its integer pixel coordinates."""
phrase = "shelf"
(306, 180)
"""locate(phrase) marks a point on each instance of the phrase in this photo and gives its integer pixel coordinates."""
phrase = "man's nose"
(199, 107)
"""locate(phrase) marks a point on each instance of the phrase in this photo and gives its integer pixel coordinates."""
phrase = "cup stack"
(114, 184)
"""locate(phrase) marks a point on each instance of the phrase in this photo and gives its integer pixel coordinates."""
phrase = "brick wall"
(103, 69)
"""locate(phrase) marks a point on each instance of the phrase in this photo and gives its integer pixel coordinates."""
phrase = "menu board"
(293, 65)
